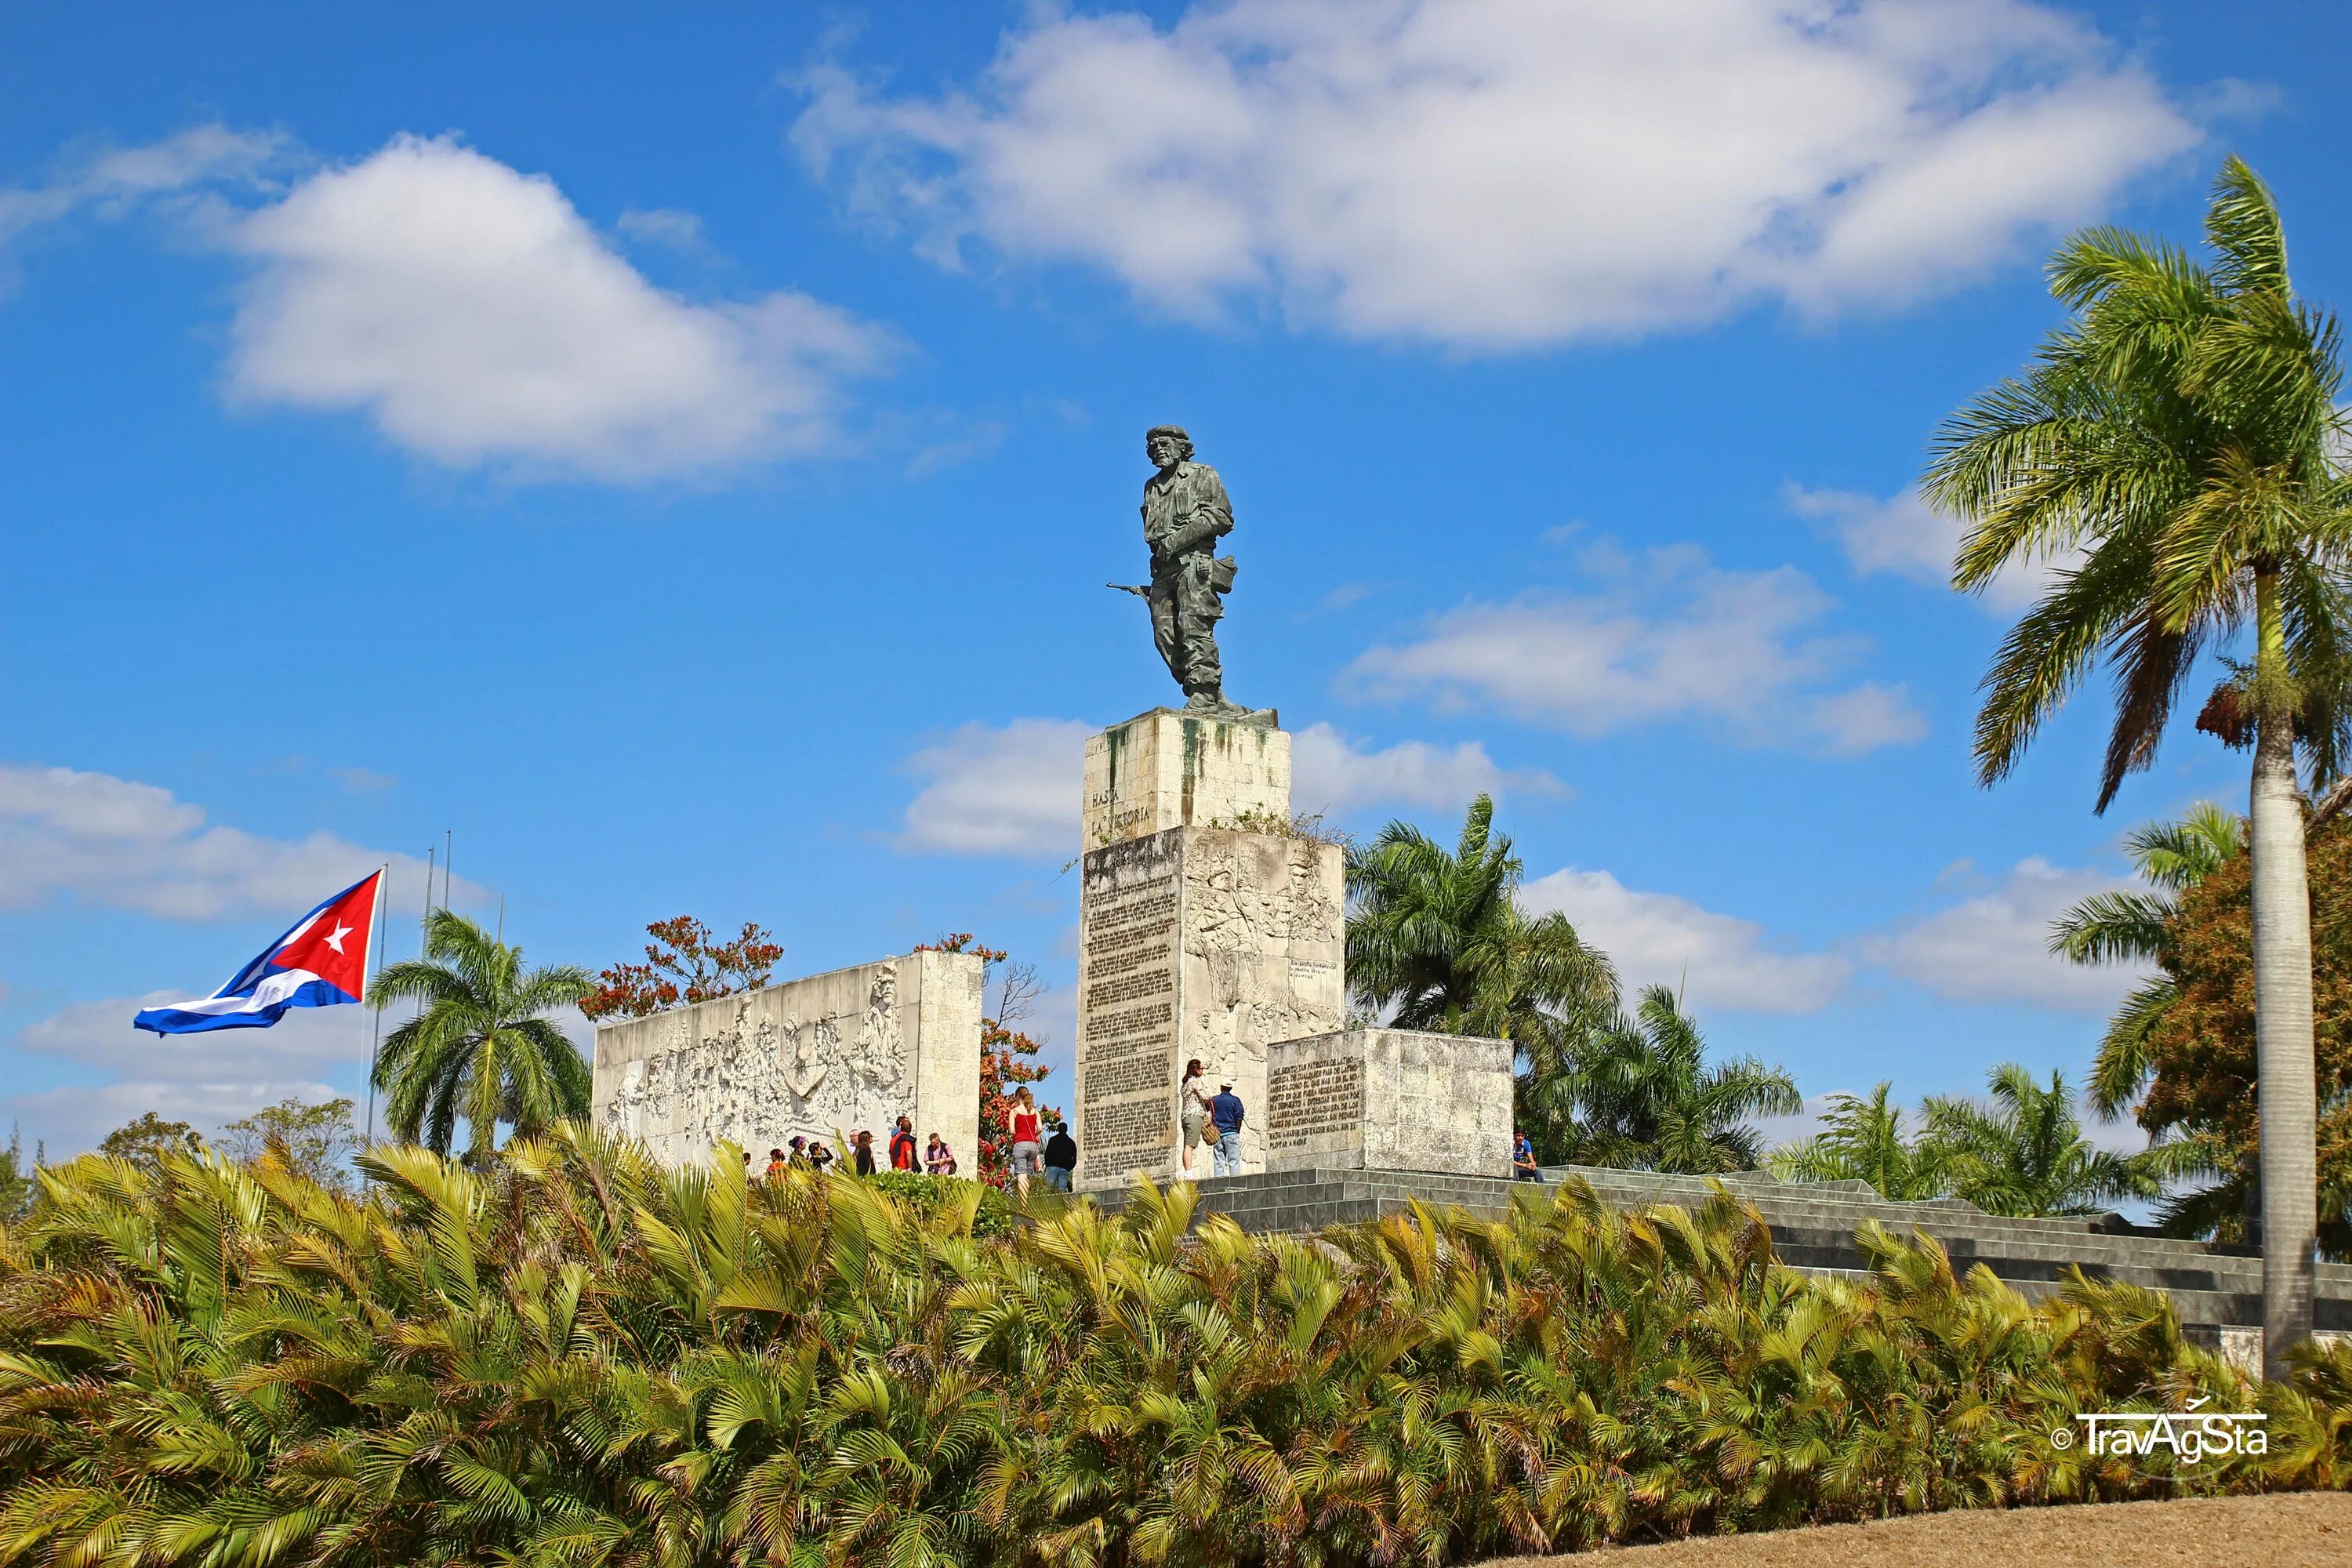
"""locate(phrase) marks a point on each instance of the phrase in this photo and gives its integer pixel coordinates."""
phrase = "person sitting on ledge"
(1523, 1159)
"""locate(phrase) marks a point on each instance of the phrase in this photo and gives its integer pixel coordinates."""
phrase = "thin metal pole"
(448, 858)
(375, 1026)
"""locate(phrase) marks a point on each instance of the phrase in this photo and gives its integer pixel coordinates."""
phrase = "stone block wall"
(1389, 1100)
(855, 1049)
(1170, 769)
(1196, 942)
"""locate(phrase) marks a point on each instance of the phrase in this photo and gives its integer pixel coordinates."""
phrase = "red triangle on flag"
(333, 945)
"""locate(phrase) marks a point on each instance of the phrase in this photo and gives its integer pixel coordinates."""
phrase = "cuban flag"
(321, 963)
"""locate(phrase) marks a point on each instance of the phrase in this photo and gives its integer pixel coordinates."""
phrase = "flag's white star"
(336, 939)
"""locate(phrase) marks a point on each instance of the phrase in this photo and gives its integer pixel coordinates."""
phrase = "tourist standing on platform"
(902, 1145)
(819, 1156)
(1024, 1161)
(862, 1150)
(1061, 1157)
(1192, 1113)
(1225, 1114)
(775, 1165)
(937, 1158)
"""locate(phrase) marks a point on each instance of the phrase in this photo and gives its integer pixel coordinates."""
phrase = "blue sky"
(682, 461)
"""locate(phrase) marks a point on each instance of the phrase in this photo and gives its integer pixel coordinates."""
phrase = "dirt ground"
(2302, 1530)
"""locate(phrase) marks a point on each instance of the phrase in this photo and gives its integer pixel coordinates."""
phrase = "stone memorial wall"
(832, 1054)
(1389, 1100)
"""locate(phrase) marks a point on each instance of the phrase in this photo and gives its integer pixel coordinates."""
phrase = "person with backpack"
(937, 1158)
(902, 1144)
(1061, 1157)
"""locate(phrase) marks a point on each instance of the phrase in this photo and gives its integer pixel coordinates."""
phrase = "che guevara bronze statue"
(1185, 513)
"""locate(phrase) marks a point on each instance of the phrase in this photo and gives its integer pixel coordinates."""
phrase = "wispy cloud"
(1664, 637)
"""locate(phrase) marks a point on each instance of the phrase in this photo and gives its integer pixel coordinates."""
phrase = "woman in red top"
(1024, 1141)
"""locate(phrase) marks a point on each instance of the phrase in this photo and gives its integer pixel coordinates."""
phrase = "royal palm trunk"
(2283, 1028)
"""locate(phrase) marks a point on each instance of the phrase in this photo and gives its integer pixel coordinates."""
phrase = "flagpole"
(375, 1026)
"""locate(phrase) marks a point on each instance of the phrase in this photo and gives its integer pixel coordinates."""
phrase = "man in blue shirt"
(1226, 1115)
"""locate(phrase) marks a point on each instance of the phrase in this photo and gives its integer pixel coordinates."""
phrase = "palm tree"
(1863, 1141)
(1643, 1095)
(2127, 927)
(479, 1045)
(1436, 941)
(2181, 432)
(2025, 1154)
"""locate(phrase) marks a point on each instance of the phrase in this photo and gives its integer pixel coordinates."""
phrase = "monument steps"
(1812, 1231)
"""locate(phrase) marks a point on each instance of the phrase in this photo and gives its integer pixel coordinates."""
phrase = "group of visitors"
(1214, 1120)
(1042, 1145)
(813, 1153)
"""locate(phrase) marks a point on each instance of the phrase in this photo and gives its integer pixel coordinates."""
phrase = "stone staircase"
(2213, 1288)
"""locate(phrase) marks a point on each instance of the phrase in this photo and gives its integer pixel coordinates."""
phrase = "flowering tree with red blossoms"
(683, 965)
(1003, 1051)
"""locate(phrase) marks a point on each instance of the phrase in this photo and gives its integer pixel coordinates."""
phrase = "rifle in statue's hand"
(1137, 589)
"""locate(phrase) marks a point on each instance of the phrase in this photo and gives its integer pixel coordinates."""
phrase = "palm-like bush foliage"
(2129, 927)
(1863, 1140)
(2024, 1153)
(2182, 433)
(479, 1046)
(1640, 1093)
(575, 1357)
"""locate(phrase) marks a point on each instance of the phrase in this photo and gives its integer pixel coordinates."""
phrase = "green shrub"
(580, 1357)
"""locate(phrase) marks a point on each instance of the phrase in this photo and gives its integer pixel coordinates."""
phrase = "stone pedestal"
(821, 1057)
(1172, 769)
(1193, 940)
(1389, 1100)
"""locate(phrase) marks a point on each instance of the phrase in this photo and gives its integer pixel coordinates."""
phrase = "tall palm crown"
(2024, 1153)
(2180, 435)
(479, 1045)
(1437, 940)
(1643, 1095)
(2129, 927)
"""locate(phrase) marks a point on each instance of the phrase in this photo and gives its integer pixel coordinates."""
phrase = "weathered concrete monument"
(858, 1048)
(1209, 928)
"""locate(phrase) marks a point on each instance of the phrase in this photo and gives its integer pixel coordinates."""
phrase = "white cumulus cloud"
(476, 317)
(1330, 773)
(1901, 536)
(1010, 789)
(1014, 788)
(1994, 946)
(124, 844)
(1667, 639)
(1501, 173)
(1717, 961)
